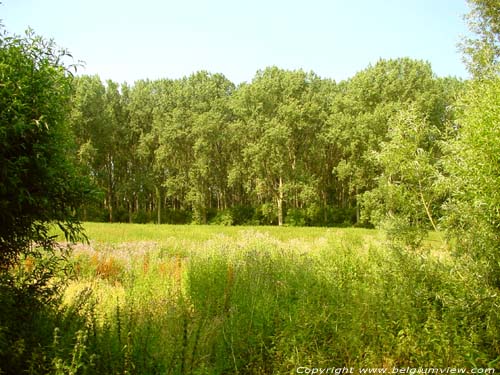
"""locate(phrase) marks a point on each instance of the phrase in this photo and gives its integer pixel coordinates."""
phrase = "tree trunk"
(110, 207)
(280, 203)
(357, 207)
(158, 204)
(325, 213)
(111, 193)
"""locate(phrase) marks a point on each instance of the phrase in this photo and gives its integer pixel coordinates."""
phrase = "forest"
(287, 148)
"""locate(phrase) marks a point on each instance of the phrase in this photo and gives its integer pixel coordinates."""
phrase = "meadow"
(150, 299)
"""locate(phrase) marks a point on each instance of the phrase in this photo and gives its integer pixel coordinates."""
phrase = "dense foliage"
(289, 147)
(471, 162)
(36, 183)
(38, 186)
(473, 216)
(232, 300)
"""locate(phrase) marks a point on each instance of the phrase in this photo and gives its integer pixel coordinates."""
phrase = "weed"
(216, 300)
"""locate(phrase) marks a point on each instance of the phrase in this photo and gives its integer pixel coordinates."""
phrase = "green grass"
(151, 299)
(120, 232)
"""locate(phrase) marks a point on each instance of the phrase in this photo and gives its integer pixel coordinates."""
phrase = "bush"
(120, 215)
(94, 212)
(223, 217)
(472, 216)
(171, 216)
(266, 214)
(296, 217)
(37, 182)
(242, 215)
(38, 186)
(141, 217)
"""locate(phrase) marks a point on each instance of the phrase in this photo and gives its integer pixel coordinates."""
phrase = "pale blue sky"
(128, 40)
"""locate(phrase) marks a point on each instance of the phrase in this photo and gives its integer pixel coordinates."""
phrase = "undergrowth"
(251, 303)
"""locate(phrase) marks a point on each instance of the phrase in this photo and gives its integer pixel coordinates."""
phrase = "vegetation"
(38, 187)
(471, 161)
(172, 151)
(36, 183)
(265, 300)
(393, 147)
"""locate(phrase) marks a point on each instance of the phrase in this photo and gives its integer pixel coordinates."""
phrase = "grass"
(120, 232)
(151, 299)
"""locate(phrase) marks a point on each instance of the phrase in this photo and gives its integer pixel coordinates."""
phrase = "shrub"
(242, 215)
(223, 217)
(266, 214)
(296, 217)
(38, 186)
(172, 216)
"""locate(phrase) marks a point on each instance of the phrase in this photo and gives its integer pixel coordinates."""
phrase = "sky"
(127, 40)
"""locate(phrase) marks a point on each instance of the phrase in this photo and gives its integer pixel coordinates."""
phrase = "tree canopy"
(287, 148)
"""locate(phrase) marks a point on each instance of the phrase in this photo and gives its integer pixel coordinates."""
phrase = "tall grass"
(213, 300)
(117, 233)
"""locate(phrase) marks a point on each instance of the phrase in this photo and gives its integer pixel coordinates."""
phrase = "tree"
(278, 114)
(473, 217)
(100, 123)
(191, 122)
(472, 214)
(208, 173)
(360, 116)
(482, 52)
(37, 181)
(89, 127)
(408, 195)
(38, 187)
(143, 175)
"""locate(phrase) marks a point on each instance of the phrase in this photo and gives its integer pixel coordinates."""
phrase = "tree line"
(289, 147)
